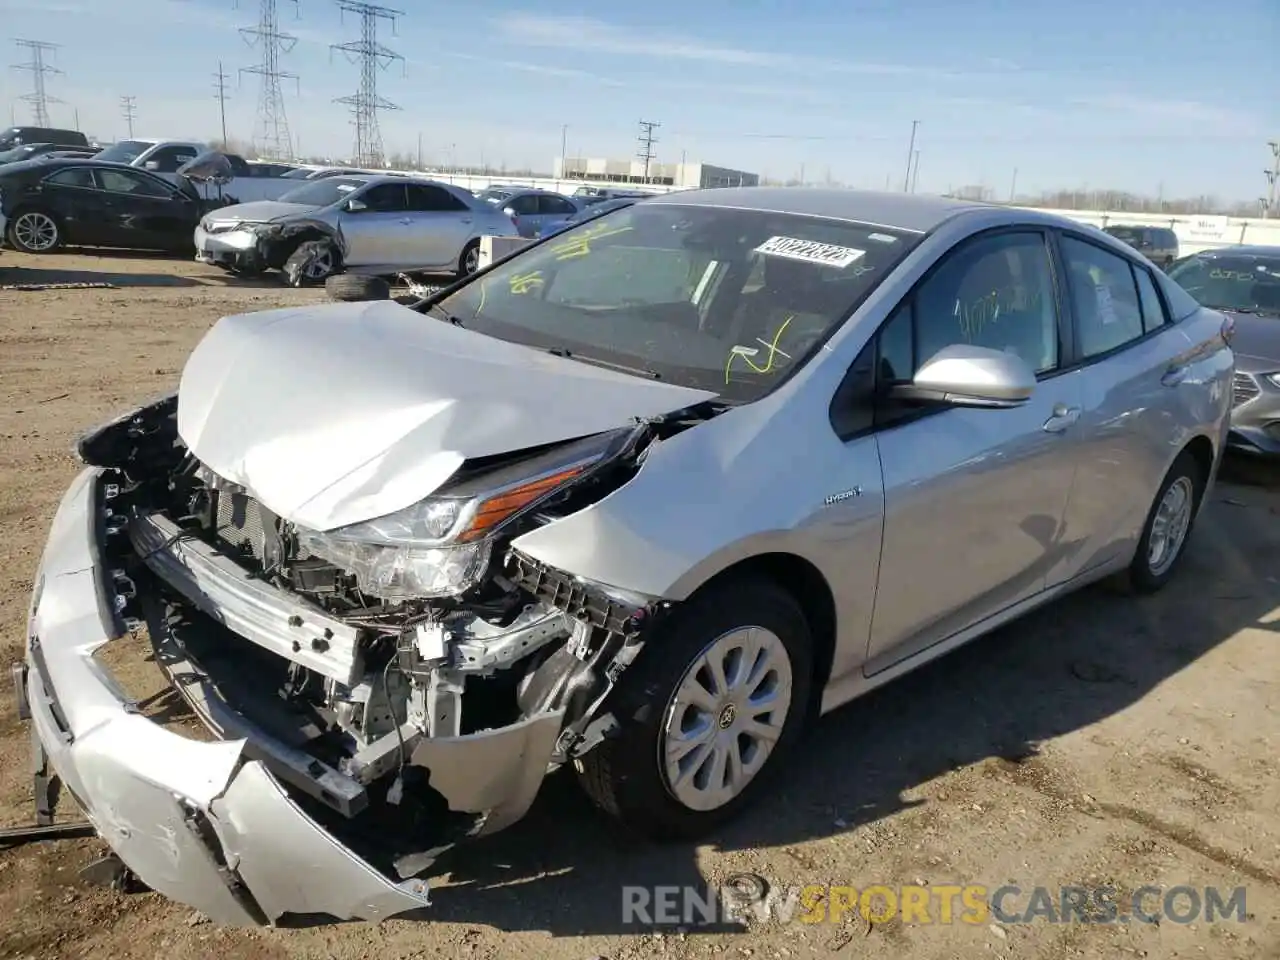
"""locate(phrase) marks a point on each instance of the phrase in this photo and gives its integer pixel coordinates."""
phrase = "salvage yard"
(1103, 741)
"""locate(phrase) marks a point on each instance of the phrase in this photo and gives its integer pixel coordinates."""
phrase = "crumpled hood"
(1256, 343)
(262, 211)
(340, 413)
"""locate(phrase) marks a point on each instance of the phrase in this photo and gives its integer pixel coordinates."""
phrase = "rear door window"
(1153, 313)
(1105, 296)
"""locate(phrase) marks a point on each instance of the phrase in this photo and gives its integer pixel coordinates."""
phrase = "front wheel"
(707, 714)
(34, 231)
(1168, 527)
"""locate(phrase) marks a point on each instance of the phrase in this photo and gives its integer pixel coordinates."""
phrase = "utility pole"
(220, 85)
(271, 135)
(915, 173)
(1013, 185)
(647, 140)
(1272, 175)
(128, 110)
(564, 140)
(38, 97)
(911, 150)
(372, 57)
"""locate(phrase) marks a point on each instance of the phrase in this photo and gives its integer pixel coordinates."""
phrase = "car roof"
(904, 211)
(46, 164)
(1244, 249)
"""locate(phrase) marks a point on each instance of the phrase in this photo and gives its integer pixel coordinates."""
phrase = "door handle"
(466, 220)
(1063, 417)
(406, 221)
(1175, 375)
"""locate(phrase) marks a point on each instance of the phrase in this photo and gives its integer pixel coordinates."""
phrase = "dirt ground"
(1102, 741)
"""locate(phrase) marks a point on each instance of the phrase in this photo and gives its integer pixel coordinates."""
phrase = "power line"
(271, 135)
(38, 97)
(647, 140)
(128, 110)
(220, 86)
(372, 57)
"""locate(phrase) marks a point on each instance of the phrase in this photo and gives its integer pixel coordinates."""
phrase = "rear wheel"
(34, 231)
(1168, 527)
(469, 262)
(707, 714)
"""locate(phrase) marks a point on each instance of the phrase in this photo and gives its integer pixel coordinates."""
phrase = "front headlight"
(439, 546)
(1273, 378)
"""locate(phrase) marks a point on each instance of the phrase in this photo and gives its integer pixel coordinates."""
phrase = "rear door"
(1135, 379)
(73, 194)
(525, 210)
(554, 210)
(440, 226)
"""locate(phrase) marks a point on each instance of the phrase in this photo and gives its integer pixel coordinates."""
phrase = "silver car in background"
(532, 211)
(360, 224)
(1244, 283)
(641, 500)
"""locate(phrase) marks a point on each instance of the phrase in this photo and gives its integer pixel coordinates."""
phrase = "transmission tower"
(129, 110)
(1273, 179)
(372, 56)
(221, 95)
(38, 98)
(647, 140)
(271, 135)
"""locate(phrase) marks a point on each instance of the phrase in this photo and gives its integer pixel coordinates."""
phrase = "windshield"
(126, 151)
(1232, 283)
(17, 153)
(496, 196)
(708, 297)
(323, 192)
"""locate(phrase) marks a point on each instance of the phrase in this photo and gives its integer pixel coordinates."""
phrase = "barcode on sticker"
(810, 251)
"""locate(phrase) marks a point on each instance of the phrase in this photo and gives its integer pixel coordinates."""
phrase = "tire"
(32, 225)
(353, 287)
(469, 262)
(626, 774)
(312, 262)
(1150, 571)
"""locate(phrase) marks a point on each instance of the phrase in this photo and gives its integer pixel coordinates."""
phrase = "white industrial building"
(677, 175)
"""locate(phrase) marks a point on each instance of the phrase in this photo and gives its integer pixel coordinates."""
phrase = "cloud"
(521, 66)
(1190, 113)
(587, 35)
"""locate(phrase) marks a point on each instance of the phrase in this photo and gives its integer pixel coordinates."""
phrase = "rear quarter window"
(1181, 304)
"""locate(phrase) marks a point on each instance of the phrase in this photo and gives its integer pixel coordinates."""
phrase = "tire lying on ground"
(350, 287)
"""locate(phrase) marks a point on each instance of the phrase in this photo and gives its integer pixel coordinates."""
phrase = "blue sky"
(1130, 94)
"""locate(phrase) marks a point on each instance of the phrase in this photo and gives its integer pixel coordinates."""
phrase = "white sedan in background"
(373, 225)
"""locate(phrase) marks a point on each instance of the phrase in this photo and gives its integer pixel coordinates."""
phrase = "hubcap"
(36, 232)
(471, 261)
(319, 266)
(1169, 528)
(725, 717)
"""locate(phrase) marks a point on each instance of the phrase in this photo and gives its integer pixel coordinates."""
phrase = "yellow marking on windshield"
(768, 364)
(524, 282)
(579, 245)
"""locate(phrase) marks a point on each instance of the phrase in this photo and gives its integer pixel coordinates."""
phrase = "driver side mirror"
(355, 206)
(962, 375)
(510, 212)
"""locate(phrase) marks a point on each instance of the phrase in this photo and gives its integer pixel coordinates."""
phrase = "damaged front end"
(298, 246)
(375, 693)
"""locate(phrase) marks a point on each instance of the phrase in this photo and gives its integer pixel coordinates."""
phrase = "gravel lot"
(1104, 740)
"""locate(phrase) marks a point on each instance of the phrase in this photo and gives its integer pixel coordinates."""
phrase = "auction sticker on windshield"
(810, 251)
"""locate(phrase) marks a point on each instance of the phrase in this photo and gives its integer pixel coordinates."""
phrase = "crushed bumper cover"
(209, 824)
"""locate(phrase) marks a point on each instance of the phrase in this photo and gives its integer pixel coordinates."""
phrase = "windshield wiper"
(445, 314)
(636, 371)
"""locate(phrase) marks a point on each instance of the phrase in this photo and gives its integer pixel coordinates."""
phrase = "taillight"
(1228, 329)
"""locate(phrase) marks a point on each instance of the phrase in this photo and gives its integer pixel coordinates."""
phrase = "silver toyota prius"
(640, 500)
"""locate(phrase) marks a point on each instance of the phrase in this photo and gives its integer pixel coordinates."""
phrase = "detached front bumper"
(209, 823)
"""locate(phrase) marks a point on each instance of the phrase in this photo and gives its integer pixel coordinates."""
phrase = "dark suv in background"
(1157, 244)
(17, 136)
